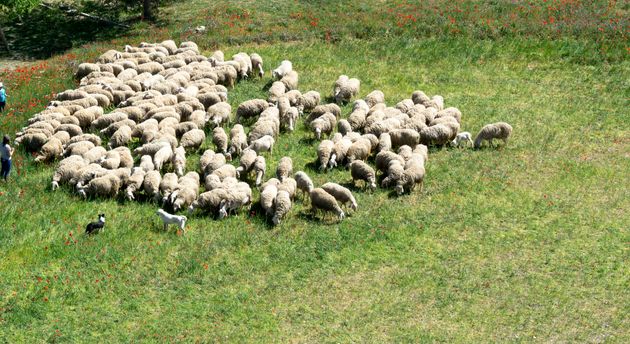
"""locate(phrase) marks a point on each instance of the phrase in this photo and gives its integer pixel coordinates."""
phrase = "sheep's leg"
(165, 227)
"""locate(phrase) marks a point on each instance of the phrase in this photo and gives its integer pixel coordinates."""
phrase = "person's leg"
(2, 106)
(6, 167)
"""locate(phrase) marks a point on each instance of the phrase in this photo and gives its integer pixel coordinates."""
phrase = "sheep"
(450, 122)
(339, 83)
(395, 172)
(357, 118)
(219, 113)
(111, 160)
(85, 69)
(106, 185)
(341, 194)
(166, 186)
(290, 80)
(450, 112)
(213, 162)
(285, 168)
(324, 150)
(238, 140)
(348, 88)
(163, 155)
(186, 191)
(193, 139)
(238, 196)
(151, 148)
(69, 168)
(401, 137)
(121, 137)
(322, 200)
(405, 105)
(323, 124)
(105, 120)
(209, 200)
(289, 118)
(384, 158)
(438, 134)
(112, 128)
(320, 110)
(360, 150)
(304, 182)
(275, 91)
(259, 167)
(268, 197)
(489, 132)
(52, 149)
(413, 174)
(94, 155)
(88, 115)
(262, 144)
(72, 129)
(462, 138)
(359, 170)
(62, 136)
(339, 152)
(308, 101)
(152, 184)
(247, 162)
(183, 127)
(250, 108)
(220, 139)
(283, 69)
(146, 163)
(257, 64)
(282, 206)
(384, 142)
(87, 173)
(374, 97)
(179, 160)
(289, 185)
(419, 97)
(134, 183)
(267, 124)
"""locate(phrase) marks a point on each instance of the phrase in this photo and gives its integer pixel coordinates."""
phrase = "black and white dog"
(96, 226)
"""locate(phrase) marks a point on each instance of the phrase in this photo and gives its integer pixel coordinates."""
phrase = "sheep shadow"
(310, 216)
(267, 86)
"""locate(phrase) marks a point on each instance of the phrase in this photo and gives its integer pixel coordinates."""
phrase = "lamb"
(359, 170)
(121, 137)
(290, 80)
(282, 206)
(263, 144)
(69, 168)
(250, 108)
(134, 183)
(489, 132)
(163, 155)
(462, 139)
(323, 124)
(257, 64)
(341, 194)
(283, 69)
(259, 167)
(322, 200)
(304, 182)
(219, 113)
(285, 168)
(220, 139)
(106, 186)
(111, 160)
(179, 160)
(374, 97)
(193, 139)
(348, 88)
(324, 151)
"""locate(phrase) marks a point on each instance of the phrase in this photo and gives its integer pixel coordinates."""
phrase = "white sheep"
(179, 160)
(134, 183)
(462, 139)
(105, 186)
(238, 140)
(163, 155)
(341, 194)
(257, 64)
(324, 151)
(250, 108)
(323, 124)
(69, 168)
(121, 137)
(489, 132)
(290, 80)
(283, 69)
(220, 139)
(263, 144)
(284, 168)
(259, 167)
(322, 200)
(359, 170)
(346, 89)
(219, 113)
(374, 97)
(111, 160)
(193, 139)
(282, 206)
(268, 197)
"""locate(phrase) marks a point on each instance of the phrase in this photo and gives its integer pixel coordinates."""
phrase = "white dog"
(463, 137)
(169, 219)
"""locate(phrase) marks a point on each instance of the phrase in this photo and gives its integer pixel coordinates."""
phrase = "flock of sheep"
(164, 98)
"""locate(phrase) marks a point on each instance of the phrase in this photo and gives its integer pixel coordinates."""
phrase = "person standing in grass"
(5, 157)
(3, 97)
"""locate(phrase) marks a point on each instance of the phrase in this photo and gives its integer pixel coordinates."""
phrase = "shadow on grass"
(45, 32)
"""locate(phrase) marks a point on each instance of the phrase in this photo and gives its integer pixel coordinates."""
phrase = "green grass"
(523, 243)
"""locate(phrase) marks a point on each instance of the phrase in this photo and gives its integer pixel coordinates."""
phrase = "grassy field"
(524, 243)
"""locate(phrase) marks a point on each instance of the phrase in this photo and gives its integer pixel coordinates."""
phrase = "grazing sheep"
(263, 144)
(220, 139)
(209, 200)
(104, 186)
(374, 97)
(320, 110)
(276, 90)
(384, 142)
(344, 127)
(166, 186)
(341, 194)
(289, 118)
(489, 132)
(251, 108)
(94, 155)
(419, 97)
(359, 170)
(290, 80)
(323, 124)
(257, 64)
(282, 206)
(438, 134)
(324, 151)
(164, 154)
(179, 161)
(238, 196)
(121, 137)
(268, 197)
(360, 150)
(304, 182)
(247, 162)
(186, 191)
(72, 129)
(289, 185)
(111, 160)
(384, 158)
(283, 69)
(213, 162)
(322, 200)
(339, 152)
(219, 113)
(69, 168)
(151, 184)
(51, 150)
(357, 118)
(238, 140)
(78, 148)
(401, 137)
(462, 139)
(134, 183)
(347, 89)
(308, 101)
(193, 139)
(285, 168)
(259, 167)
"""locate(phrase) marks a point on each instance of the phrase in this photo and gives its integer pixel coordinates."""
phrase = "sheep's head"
(341, 215)
(275, 220)
(54, 185)
(399, 189)
(223, 209)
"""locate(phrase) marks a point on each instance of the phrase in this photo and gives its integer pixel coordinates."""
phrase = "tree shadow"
(48, 31)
